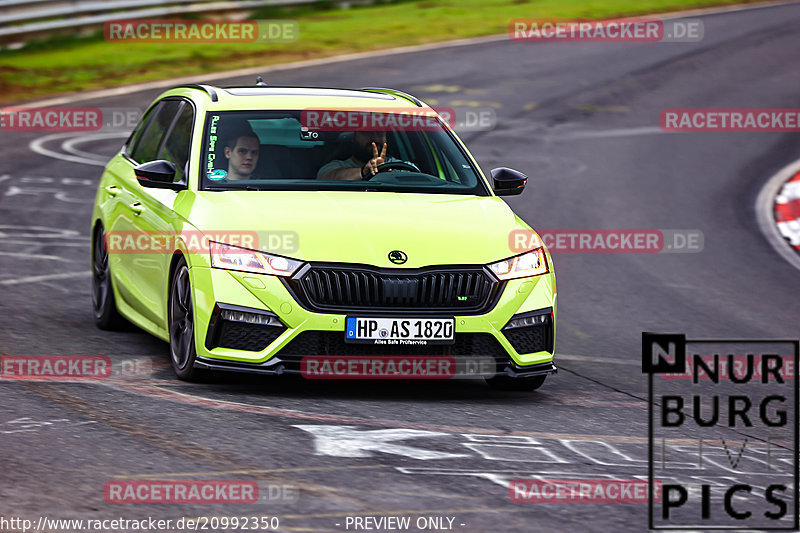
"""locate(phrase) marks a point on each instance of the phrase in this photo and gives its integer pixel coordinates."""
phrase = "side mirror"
(157, 174)
(508, 182)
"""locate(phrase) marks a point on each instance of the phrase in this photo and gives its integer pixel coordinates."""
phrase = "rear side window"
(177, 144)
(146, 145)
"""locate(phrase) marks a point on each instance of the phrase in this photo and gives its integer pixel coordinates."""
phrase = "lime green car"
(327, 232)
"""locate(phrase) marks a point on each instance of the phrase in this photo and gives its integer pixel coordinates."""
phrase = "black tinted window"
(176, 146)
(146, 147)
(137, 133)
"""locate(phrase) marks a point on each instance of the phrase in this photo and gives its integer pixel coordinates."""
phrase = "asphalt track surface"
(582, 120)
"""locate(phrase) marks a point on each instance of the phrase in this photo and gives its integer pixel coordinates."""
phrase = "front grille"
(332, 343)
(341, 288)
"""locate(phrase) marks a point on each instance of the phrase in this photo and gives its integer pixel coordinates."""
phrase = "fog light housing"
(531, 332)
(242, 328)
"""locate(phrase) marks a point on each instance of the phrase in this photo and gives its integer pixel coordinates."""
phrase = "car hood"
(360, 227)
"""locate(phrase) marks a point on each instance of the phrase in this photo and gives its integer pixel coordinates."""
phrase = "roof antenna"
(260, 82)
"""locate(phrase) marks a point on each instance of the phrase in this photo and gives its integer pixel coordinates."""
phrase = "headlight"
(529, 264)
(236, 258)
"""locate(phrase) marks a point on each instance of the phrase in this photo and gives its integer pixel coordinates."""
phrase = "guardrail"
(21, 20)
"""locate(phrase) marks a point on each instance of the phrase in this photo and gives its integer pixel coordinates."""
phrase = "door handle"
(112, 190)
(137, 208)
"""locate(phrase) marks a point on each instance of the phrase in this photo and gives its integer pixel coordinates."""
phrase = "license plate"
(420, 331)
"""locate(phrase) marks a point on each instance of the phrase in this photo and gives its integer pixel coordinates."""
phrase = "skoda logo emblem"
(397, 257)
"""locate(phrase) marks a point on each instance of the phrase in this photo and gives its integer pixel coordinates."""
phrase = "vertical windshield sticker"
(212, 142)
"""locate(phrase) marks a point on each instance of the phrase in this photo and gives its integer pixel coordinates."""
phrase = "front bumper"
(296, 332)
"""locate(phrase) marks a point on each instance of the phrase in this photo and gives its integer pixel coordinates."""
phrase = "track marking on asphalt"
(6, 230)
(474, 103)
(46, 277)
(37, 146)
(38, 243)
(345, 441)
(165, 442)
(601, 108)
(155, 391)
(439, 88)
(766, 219)
(35, 256)
(251, 471)
(135, 375)
(27, 424)
(607, 134)
(69, 146)
(603, 360)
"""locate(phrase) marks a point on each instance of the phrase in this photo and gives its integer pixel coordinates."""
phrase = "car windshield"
(328, 150)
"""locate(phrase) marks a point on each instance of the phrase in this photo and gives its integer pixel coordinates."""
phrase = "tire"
(106, 315)
(515, 384)
(182, 351)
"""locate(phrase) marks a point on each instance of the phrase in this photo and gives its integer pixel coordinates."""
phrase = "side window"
(146, 147)
(137, 133)
(176, 146)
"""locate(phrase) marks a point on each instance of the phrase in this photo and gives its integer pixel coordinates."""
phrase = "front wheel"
(181, 324)
(515, 384)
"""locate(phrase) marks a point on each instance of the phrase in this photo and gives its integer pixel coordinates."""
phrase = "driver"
(364, 162)
(241, 151)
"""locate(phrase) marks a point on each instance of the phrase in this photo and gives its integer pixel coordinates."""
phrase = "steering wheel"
(394, 165)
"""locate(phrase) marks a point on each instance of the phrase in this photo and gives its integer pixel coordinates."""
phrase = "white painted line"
(601, 360)
(35, 243)
(46, 277)
(69, 146)
(37, 145)
(54, 233)
(252, 71)
(347, 441)
(765, 208)
(621, 132)
(34, 256)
